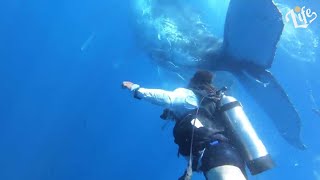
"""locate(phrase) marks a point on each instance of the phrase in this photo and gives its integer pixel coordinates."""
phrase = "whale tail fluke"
(268, 93)
(252, 31)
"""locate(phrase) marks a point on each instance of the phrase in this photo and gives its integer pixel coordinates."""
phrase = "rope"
(189, 169)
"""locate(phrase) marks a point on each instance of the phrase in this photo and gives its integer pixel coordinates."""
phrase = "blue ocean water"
(63, 114)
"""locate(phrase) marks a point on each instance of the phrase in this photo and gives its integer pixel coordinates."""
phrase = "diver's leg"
(222, 161)
(225, 172)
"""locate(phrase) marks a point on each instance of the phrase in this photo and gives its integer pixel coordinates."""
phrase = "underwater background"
(63, 114)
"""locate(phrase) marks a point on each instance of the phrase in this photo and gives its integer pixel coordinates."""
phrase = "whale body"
(175, 36)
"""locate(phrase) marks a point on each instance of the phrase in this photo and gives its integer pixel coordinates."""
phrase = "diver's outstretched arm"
(168, 99)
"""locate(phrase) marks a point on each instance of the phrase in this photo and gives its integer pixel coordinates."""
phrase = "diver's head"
(202, 80)
(201, 77)
(201, 83)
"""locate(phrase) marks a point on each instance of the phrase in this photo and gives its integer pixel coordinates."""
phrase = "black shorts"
(220, 154)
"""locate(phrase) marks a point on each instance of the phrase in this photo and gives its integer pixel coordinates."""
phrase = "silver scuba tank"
(252, 149)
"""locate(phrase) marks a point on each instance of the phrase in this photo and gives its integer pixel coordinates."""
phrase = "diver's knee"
(225, 172)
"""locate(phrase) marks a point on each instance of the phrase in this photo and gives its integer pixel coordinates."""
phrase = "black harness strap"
(230, 105)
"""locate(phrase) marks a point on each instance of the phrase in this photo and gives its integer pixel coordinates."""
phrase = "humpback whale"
(175, 35)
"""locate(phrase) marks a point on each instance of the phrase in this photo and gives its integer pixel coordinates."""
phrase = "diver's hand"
(127, 85)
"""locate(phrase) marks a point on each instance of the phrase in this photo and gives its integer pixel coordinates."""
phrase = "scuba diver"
(203, 132)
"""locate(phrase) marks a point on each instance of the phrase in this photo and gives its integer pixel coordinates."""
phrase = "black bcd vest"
(208, 115)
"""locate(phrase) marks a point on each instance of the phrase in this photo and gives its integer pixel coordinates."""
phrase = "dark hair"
(202, 81)
(201, 85)
(201, 77)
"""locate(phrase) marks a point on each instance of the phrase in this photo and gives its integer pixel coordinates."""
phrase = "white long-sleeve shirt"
(180, 101)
